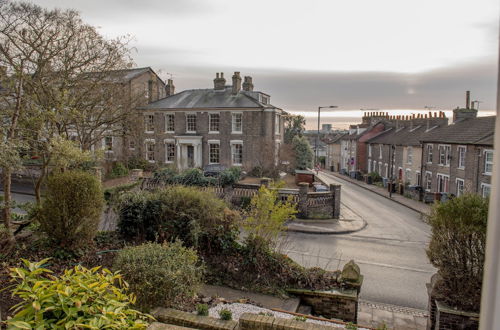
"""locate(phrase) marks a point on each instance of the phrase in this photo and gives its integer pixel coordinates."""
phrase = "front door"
(190, 156)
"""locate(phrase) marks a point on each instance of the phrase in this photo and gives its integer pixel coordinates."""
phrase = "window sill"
(240, 132)
(487, 173)
(149, 132)
(460, 168)
(214, 132)
(213, 163)
(169, 162)
(169, 132)
(152, 161)
(237, 164)
(190, 132)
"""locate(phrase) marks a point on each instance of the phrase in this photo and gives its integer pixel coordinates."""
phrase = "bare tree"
(60, 85)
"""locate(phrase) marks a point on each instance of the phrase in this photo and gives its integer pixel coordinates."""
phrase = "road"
(390, 250)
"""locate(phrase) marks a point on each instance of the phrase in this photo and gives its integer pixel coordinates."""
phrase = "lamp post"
(317, 136)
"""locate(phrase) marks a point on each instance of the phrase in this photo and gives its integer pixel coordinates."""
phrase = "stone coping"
(185, 319)
(344, 293)
(442, 307)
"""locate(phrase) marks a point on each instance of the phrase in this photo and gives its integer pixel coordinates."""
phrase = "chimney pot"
(247, 84)
(467, 100)
(169, 88)
(219, 81)
(236, 83)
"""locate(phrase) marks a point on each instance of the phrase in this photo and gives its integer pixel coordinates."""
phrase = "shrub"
(79, 298)
(141, 163)
(160, 274)
(457, 249)
(300, 318)
(119, 170)
(198, 218)
(267, 214)
(303, 152)
(375, 177)
(202, 309)
(71, 210)
(225, 314)
(229, 176)
(112, 195)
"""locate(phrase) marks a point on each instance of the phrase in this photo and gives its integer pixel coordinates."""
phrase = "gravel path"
(238, 309)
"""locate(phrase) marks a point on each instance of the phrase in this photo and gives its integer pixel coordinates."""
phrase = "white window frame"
(380, 151)
(443, 176)
(210, 143)
(409, 155)
(460, 193)
(485, 185)
(149, 142)
(167, 123)
(369, 150)
(447, 154)
(428, 181)
(277, 126)
(486, 162)
(407, 177)
(188, 115)
(233, 122)
(386, 167)
(168, 142)
(430, 153)
(210, 130)
(379, 168)
(107, 148)
(461, 162)
(233, 143)
(148, 123)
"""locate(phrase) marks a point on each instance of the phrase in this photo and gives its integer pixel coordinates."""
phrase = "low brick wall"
(338, 304)
(254, 321)
(184, 319)
(175, 319)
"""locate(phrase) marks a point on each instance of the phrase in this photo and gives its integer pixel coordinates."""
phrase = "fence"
(311, 205)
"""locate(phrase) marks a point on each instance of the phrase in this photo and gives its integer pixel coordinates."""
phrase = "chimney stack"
(236, 83)
(467, 100)
(219, 81)
(169, 88)
(248, 85)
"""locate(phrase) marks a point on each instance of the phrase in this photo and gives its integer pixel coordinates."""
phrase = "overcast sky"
(386, 54)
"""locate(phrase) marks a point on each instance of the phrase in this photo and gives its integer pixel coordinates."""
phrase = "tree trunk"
(38, 184)
(6, 212)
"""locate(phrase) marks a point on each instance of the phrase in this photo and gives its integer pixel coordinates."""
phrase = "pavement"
(349, 222)
(417, 206)
(370, 314)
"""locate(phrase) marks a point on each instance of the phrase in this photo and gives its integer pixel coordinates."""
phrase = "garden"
(168, 242)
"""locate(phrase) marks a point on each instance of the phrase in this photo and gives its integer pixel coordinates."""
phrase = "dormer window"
(264, 99)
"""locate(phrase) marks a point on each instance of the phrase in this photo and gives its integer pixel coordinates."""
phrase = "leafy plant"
(160, 274)
(119, 170)
(112, 195)
(198, 218)
(457, 249)
(375, 177)
(303, 152)
(300, 318)
(202, 309)
(225, 314)
(267, 214)
(79, 298)
(351, 326)
(72, 208)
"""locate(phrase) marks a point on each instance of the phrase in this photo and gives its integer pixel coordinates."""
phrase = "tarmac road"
(390, 250)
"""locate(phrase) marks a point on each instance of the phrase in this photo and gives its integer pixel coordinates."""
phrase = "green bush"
(225, 314)
(141, 163)
(303, 152)
(375, 177)
(198, 218)
(166, 275)
(202, 309)
(457, 249)
(195, 177)
(112, 195)
(71, 210)
(229, 176)
(118, 171)
(79, 298)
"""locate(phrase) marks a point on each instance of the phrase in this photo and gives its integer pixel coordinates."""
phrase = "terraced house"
(229, 125)
(459, 158)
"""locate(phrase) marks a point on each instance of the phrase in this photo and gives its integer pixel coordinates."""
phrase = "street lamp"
(317, 136)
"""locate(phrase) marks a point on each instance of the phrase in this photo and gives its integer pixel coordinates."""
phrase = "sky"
(357, 54)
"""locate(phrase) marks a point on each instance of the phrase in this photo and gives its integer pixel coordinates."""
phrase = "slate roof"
(209, 98)
(121, 75)
(468, 131)
(335, 139)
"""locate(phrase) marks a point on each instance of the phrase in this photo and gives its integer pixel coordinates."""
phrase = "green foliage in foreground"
(79, 298)
(71, 210)
(225, 314)
(165, 275)
(303, 152)
(457, 249)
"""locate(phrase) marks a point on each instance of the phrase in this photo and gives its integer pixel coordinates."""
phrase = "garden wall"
(339, 304)
(246, 321)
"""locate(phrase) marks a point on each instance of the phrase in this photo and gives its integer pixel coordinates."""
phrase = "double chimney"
(220, 82)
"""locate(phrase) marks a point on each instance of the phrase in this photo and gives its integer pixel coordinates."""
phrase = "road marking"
(379, 264)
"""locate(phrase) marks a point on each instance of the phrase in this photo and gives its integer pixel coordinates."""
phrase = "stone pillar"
(97, 171)
(228, 193)
(265, 182)
(335, 189)
(136, 174)
(303, 189)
